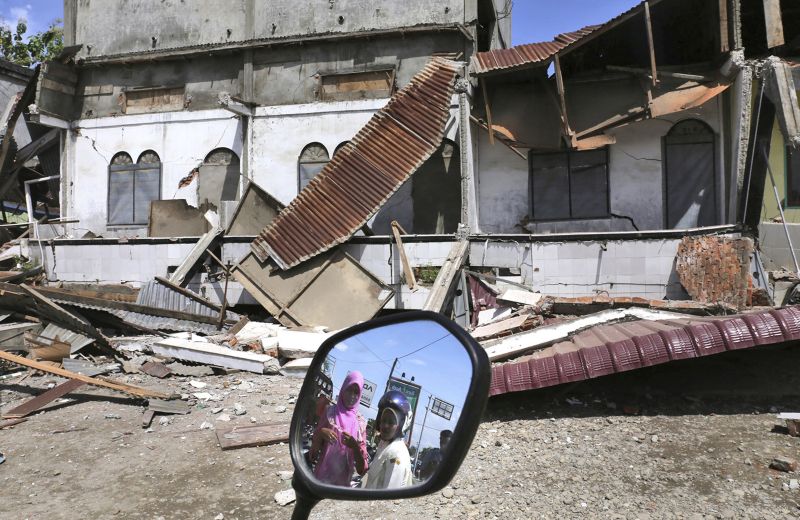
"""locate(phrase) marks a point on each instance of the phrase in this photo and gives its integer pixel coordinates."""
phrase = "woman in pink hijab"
(340, 438)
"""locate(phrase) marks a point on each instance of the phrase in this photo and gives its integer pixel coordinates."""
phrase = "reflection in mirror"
(385, 404)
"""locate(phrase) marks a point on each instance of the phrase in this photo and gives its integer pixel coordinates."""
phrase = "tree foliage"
(38, 48)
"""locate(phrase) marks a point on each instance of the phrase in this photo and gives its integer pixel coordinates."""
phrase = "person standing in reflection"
(340, 438)
(391, 466)
(433, 457)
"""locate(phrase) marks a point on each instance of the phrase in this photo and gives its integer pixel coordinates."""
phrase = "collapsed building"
(368, 157)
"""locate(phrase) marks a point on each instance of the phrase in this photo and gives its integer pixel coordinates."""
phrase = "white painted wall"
(635, 178)
(181, 139)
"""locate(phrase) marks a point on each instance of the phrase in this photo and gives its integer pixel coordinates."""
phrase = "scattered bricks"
(716, 269)
(783, 464)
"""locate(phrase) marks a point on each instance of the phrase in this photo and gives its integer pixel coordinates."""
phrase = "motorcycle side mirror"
(388, 410)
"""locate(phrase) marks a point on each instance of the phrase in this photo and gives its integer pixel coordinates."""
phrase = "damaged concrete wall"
(281, 75)
(636, 170)
(181, 141)
(165, 25)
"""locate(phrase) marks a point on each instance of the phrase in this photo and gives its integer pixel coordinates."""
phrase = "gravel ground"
(691, 440)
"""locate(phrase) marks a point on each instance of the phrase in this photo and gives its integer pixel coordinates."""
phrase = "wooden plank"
(43, 399)
(168, 407)
(147, 418)
(488, 110)
(11, 422)
(568, 133)
(198, 250)
(650, 46)
(774, 23)
(724, 43)
(188, 293)
(251, 436)
(120, 387)
(447, 274)
(407, 271)
(498, 327)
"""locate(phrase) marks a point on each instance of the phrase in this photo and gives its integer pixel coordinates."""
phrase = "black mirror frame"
(310, 491)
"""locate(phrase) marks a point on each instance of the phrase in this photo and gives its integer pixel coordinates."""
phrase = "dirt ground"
(690, 440)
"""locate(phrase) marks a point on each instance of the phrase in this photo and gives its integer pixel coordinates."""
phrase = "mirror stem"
(304, 501)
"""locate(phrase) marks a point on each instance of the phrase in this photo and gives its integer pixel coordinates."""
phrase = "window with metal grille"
(131, 188)
(312, 160)
(569, 185)
(792, 177)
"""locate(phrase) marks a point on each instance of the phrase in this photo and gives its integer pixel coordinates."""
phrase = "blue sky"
(426, 351)
(533, 20)
(38, 13)
(541, 20)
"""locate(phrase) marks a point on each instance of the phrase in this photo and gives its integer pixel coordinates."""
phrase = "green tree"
(40, 47)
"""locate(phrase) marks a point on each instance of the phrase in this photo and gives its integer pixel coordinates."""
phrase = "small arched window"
(312, 160)
(131, 187)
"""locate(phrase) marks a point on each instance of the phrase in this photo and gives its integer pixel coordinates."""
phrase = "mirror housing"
(310, 490)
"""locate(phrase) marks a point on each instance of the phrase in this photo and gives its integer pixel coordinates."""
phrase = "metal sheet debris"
(253, 435)
(616, 348)
(362, 176)
(211, 354)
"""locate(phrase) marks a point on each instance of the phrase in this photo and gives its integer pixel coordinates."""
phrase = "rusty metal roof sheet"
(608, 349)
(526, 54)
(531, 54)
(366, 172)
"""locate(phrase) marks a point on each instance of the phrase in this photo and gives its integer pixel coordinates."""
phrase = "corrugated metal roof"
(366, 172)
(608, 349)
(77, 341)
(159, 296)
(522, 56)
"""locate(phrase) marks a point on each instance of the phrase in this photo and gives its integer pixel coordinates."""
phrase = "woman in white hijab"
(391, 467)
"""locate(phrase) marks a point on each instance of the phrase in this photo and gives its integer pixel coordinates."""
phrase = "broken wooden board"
(120, 387)
(43, 399)
(174, 407)
(11, 334)
(10, 423)
(498, 327)
(251, 436)
(443, 285)
(147, 418)
(198, 250)
(211, 354)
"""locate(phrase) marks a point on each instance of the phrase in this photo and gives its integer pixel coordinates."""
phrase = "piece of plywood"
(252, 435)
(331, 290)
(255, 211)
(168, 407)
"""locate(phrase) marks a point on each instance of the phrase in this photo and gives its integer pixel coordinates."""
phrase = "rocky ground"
(690, 440)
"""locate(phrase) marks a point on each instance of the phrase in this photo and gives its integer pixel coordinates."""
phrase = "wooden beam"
(441, 290)
(774, 23)
(411, 281)
(650, 45)
(43, 399)
(616, 120)
(488, 110)
(484, 127)
(568, 133)
(120, 387)
(724, 43)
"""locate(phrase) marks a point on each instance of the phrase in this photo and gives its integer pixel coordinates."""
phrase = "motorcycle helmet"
(398, 403)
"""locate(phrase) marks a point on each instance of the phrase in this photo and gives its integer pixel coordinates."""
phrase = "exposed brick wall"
(716, 269)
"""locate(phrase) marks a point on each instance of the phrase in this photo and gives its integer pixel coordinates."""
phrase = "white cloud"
(19, 13)
(418, 362)
(341, 347)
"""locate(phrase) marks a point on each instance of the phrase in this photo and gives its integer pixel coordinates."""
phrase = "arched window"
(689, 175)
(312, 160)
(131, 187)
(219, 177)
